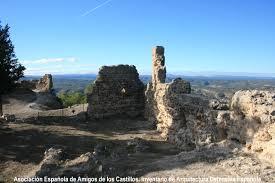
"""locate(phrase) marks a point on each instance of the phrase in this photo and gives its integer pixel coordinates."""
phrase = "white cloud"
(62, 68)
(72, 59)
(50, 60)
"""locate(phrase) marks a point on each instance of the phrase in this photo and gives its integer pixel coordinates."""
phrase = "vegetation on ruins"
(10, 70)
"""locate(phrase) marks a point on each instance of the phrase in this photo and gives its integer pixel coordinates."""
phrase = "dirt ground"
(23, 145)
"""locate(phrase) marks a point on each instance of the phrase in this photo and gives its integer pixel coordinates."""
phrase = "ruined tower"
(116, 92)
(45, 84)
(159, 69)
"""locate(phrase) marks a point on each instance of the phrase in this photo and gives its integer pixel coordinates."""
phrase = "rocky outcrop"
(182, 118)
(55, 164)
(45, 84)
(255, 104)
(117, 91)
(252, 121)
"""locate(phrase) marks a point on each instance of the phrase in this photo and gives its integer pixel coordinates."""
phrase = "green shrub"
(72, 98)
(88, 89)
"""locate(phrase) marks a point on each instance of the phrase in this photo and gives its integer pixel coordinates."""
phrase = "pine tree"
(10, 70)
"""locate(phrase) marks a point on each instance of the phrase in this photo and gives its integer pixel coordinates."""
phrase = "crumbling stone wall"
(182, 118)
(45, 84)
(159, 69)
(117, 91)
(251, 121)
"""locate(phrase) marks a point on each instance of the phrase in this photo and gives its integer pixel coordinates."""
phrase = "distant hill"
(78, 82)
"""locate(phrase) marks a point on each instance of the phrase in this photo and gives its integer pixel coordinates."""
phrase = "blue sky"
(200, 36)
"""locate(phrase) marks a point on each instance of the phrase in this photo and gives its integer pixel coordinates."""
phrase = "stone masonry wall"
(159, 69)
(117, 91)
(44, 84)
(181, 117)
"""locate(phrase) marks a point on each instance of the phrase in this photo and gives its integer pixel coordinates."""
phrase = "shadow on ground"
(26, 143)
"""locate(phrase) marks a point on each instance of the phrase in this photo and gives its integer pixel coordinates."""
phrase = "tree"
(72, 98)
(10, 70)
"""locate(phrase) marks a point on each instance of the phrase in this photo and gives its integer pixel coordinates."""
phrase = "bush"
(88, 89)
(72, 98)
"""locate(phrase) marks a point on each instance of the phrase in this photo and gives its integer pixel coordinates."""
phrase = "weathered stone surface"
(182, 118)
(251, 121)
(54, 164)
(159, 69)
(255, 104)
(45, 84)
(218, 105)
(237, 127)
(191, 121)
(179, 86)
(117, 91)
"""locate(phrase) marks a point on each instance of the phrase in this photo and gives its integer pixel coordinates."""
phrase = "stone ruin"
(251, 121)
(44, 84)
(117, 91)
(159, 69)
(191, 121)
(183, 118)
(180, 117)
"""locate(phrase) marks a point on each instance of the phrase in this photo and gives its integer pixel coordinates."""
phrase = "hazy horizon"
(187, 74)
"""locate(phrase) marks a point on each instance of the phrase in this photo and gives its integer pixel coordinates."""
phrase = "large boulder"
(55, 164)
